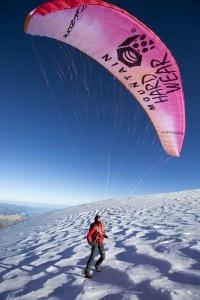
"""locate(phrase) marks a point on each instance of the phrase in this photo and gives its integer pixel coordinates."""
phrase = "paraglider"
(129, 50)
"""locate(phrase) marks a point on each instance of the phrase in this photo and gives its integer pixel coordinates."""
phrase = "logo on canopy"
(131, 50)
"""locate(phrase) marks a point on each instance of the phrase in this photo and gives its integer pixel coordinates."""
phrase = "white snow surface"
(153, 251)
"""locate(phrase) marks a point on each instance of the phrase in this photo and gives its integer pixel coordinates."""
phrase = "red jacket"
(96, 233)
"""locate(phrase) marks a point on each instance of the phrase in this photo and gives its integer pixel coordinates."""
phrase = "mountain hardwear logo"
(131, 50)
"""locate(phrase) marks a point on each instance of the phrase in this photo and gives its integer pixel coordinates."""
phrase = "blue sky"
(85, 138)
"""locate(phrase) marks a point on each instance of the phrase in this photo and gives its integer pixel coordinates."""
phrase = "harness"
(99, 232)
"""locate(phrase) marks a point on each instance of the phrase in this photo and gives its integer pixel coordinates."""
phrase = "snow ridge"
(153, 251)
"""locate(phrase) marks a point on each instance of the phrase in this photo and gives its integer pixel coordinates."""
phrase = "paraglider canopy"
(130, 51)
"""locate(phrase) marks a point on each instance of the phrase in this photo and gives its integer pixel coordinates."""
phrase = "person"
(95, 238)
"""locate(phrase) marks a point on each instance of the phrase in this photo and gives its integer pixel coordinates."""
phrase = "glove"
(92, 244)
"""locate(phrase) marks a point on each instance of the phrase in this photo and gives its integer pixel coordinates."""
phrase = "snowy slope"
(153, 251)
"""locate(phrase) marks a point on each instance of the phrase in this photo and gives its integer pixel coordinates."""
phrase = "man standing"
(95, 238)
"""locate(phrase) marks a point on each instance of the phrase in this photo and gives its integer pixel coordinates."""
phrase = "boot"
(88, 275)
(97, 267)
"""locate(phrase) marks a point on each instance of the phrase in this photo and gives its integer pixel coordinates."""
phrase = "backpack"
(95, 234)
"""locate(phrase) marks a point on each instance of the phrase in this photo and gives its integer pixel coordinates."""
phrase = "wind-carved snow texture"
(153, 251)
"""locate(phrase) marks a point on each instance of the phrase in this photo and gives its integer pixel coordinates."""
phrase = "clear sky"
(84, 137)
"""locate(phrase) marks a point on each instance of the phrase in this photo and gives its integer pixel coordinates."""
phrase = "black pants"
(92, 256)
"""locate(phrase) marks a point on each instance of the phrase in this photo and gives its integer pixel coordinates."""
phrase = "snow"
(153, 251)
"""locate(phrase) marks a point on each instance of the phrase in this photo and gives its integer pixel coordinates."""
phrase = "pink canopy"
(126, 48)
